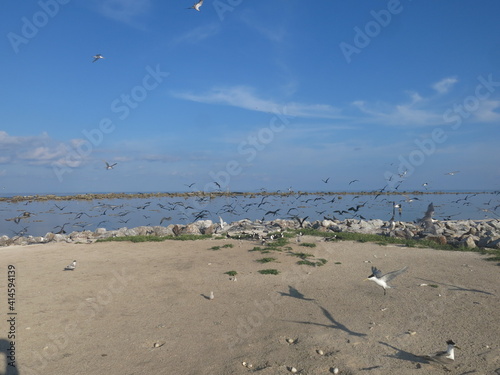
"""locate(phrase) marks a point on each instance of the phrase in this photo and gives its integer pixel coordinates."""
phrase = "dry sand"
(144, 309)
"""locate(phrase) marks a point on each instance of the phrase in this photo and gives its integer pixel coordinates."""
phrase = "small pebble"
(411, 333)
(290, 341)
(293, 370)
(335, 370)
(320, 352)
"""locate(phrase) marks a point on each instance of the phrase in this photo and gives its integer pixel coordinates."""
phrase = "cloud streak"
(245, 97)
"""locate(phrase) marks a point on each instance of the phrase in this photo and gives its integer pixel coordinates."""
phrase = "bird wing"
(393, 274)
(376, 272)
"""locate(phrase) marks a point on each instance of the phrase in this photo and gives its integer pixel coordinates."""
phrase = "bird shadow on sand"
(335, 324)
(294, 293)
(456, 287)
(205, 296)
(5, 349)
(404, 355)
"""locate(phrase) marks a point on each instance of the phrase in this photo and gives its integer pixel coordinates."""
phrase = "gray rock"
(494, 244)
(468, 242)
(191, 229)
(100, 232)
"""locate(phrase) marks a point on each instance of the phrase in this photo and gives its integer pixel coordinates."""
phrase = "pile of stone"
(460, 233)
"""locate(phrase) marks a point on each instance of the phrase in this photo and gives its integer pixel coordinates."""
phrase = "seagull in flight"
(97, 57)
(109, 166)
(382, 280)
(353, 181)
(325, 181)
(197, 6)
(71, 266)
(452, 173)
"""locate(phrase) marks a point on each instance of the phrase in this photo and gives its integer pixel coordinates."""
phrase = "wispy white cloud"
(197, 34)
(488, 111)
(406, 114)
(444, 85)
(125, 11)
(244, 97)
(36, 150)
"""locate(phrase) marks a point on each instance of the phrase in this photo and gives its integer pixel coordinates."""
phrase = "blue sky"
(250, 94)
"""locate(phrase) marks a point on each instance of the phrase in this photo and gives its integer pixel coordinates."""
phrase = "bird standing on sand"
(71, 267)
(377, 277)
(97, 57)
(445, 357)
(197, 6)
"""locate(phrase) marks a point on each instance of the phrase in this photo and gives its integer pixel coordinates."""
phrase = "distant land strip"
(213, 195)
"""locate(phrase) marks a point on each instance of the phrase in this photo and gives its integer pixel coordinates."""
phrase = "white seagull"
(97, 57)
(377, 277)
(197, 6)
(71, 267)
(452, 173)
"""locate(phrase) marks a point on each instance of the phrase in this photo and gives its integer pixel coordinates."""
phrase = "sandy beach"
(144, 308)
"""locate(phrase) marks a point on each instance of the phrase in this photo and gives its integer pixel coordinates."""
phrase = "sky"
(274, 95)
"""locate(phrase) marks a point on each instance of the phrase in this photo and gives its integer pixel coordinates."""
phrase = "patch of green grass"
(231, 273)
(302, 255)
(433, 286)
(228, 245)
(306, 262)
(382, 240)
(318, 263)
(338, 262)
(265, 260)
(215, 248)
(269, 272)
(307, 244)
(262, 251)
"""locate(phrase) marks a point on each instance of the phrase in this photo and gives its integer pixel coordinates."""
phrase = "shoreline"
(99, 196)
(459, 234)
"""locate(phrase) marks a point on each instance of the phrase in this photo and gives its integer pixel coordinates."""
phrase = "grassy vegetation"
(494, 254)
(231, 273)
(262, 251)
(307, 244)
(269, 272)
(302, 255)
(266, 260)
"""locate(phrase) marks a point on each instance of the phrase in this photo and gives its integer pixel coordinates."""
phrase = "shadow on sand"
(5, 349)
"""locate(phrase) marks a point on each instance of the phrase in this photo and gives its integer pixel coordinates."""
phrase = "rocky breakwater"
(459, 233)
